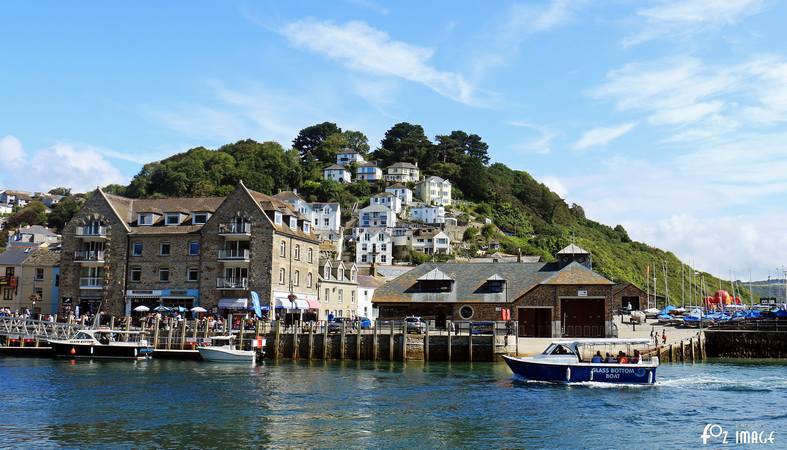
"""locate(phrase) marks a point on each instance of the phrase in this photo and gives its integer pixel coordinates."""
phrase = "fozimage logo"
(716, 434)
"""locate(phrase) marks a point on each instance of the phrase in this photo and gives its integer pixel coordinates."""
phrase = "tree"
(458, 146)
(64, 191)
(407, 143)
(116, 189)
(310, 140)
(356, 141)
(624, 236)
(63, 211)
(32, 214)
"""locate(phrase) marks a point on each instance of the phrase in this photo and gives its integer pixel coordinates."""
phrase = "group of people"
(655, 336)
(622, 358)
(26, 314)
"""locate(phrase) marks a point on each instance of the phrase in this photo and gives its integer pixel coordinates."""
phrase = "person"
(610, 359)
(622, 358)
(664, 336)
(597, 357)
(637, 358)
(628, 306)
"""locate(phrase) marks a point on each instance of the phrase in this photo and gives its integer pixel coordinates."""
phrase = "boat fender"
(650, 377)
(91, 349)
(568, 373)
(73, 351)
(135, 353)
(591, 374)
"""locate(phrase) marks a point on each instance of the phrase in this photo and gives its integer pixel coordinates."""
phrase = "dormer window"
(293, 223)
(353, 274)
(277, 218)
(172, 219)
(199, 218)
(341, 274)
(307, 228)
(145, 219)
(327, 272)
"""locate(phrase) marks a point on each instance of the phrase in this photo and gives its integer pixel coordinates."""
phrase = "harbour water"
(117, 404)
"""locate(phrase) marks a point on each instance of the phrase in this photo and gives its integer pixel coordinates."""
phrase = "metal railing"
(232, 283)
(91, 231)
(242, 254)
(235, 228)
(89, 255)
(91, 282)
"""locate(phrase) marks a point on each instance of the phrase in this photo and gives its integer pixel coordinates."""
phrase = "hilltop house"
(402, 172)
(434, 191)
(387, 199)
(373, 245)
(32, 236)
(345, 157)
(368, 171)
(336, 173)
(376, 216)
(430, 241)
(402, 192)
(428, 214)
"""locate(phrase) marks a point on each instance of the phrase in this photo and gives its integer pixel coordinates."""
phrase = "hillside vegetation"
(525, 213)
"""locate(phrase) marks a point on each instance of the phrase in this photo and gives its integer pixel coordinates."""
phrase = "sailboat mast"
(682, 285)
(666, 285)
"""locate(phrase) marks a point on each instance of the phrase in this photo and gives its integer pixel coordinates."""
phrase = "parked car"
(415, 325)
(482, 327)
(335, 325)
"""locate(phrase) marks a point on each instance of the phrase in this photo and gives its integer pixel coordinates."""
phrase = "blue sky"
(666, 116)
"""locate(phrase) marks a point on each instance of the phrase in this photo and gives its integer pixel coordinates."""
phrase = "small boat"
(570, 361)
(103, 343)
(223, 349)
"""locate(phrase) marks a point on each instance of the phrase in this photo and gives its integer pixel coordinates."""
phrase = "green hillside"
(525, 213)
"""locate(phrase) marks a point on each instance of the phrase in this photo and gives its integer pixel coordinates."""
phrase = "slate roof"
(36, 229)
(335, 167)
(43, 256)
(573, 250)
(397, 186)
(435, 275)
(14, 256)
(576, 273)
(288, 196)
(405, 165)
(368, 281)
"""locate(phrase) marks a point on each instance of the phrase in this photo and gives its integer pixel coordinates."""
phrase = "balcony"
(91, 232)
(91, 283)
(235, 229)
(232, 283)
(234, 254)
(89, 256)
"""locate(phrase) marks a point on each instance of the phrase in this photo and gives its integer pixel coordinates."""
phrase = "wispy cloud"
(367, 50)
(680, 18)
(370, 5)
(601, 136)
(80, 168)
(540, 144)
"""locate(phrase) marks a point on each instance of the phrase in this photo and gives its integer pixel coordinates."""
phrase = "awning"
(301, 304)
(313, 303)
(283, 303)
(232, 303)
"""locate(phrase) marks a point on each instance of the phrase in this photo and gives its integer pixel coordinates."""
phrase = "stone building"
(545, 299)
(29, 279)
(211, 252)
(338, 288)
(627, 293)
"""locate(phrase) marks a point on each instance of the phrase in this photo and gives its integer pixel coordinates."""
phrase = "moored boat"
(223, 349)
(572, 361)
(103, 343)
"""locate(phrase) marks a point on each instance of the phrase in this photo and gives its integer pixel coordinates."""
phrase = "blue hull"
(578, 373)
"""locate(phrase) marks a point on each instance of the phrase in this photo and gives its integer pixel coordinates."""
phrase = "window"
(283, 249)
(163, 275)
(363, 258)
(282, 275)
(293, 223)
(341, 295)
(363, 247)
(381, 237)
(353, 274)
(310, 255)
(352, 297)
(136, 274)
(327, 295)
(192, 274)
(136, 249)
(326, 222)
(9, 271)
(172, 219)
(383, 247)
(165, 248)
(297, 252)
(383, 258)
(193, 248)
(39, 274)
(145, 219)
(296, 278)
(277, 218)
(199, 219)
(8, 294)
(466, 312)
(307, 227)
(367, 237)
(326, 272)
(309, 280)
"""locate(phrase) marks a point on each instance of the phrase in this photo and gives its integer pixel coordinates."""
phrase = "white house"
(376, 216)
(366, 287)
(402, 172)
(434, 191)
(387, 199)
(373, 244)
(345, 157)
(428, 213)
(326, 216)
(431, 241)
(401, 191)
(368, 171)
(336, 173)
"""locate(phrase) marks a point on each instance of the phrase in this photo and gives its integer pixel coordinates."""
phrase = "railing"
(232, 283)
(29, 328)
(234, 228)
(91, 283)
(89, 255)
(234, 254)
(91, 231)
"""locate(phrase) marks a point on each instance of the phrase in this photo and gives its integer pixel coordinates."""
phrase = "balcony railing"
(234, 254)
(235, 228)
(91, 231)
(91, 283)
(232, 283)
(89, 255)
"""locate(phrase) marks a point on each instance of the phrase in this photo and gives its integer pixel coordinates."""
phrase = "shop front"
(177, 299)
(296, 307)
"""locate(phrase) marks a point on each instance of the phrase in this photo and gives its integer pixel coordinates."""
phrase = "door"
(439, 321)
(583, 317)
(535, 322)
(633, 300)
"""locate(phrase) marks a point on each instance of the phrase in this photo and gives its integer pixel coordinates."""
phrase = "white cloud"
(370, 5)
(602, 136)
(555, 185)
(367, 50)
(80, 168)
(679, 18)
(540, 144)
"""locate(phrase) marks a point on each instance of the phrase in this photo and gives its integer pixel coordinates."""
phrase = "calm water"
(59, 403)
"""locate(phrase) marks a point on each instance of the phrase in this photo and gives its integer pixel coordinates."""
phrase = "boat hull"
(71, 350)
(534, 370)
(223, 355)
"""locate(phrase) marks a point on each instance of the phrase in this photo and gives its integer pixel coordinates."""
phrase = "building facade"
(434, 191)
(376, 216)
(373, 245)
(388, 200)
(402, 172)
(336, 173)
(338, 289)
(345, 157)
(32, 236)
(428, 214)
(368, 171)
(402, 192)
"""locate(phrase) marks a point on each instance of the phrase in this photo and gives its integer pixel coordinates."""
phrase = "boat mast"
(751, 292)
(666, 284)
(682, 286)
(647, 283)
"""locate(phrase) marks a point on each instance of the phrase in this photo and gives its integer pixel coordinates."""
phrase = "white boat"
(222, 349)
(104, 343)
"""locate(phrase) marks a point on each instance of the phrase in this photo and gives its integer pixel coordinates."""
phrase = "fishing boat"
(103, 343)
(223, 349)
(572, 361)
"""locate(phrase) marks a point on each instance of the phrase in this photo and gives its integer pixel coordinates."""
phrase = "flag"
(255, 301)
